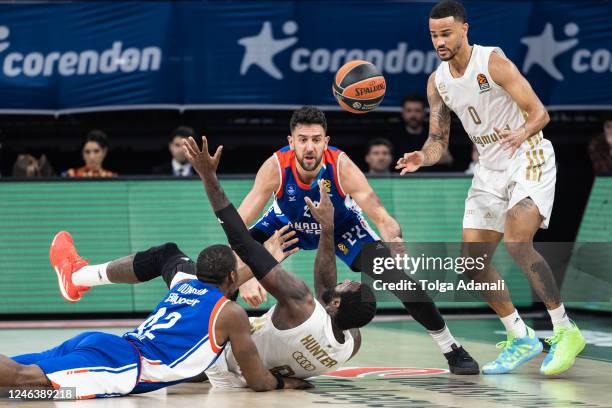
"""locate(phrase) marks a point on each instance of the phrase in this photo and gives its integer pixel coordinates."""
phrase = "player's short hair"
(182, 131)
(98, 136)
(356, 309)
(414, 97)
(307, 115)
(215, 263)
(379, 141)
(449, 8)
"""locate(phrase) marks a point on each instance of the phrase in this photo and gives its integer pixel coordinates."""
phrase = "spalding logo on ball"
(359, 87)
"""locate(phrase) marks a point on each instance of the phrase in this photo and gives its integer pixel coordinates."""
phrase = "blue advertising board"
(82, 56)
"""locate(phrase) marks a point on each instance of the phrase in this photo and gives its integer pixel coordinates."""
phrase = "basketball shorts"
(96, 364)
(532, 173)
(348, 238)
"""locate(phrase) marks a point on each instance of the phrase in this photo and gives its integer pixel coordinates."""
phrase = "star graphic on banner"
(261, 49)
(543, 49)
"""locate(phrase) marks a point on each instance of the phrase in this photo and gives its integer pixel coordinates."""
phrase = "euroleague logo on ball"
(359, 87)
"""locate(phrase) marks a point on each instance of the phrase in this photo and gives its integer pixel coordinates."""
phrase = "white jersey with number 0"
(481, 105)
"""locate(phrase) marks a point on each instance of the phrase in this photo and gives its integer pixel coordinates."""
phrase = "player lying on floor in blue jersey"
(302, 335)
(186, 334)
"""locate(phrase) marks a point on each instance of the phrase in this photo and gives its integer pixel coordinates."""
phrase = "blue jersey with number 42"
(177, 341)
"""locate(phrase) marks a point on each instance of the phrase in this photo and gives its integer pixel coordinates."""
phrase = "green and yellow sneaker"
(565, 345)
(515, 352)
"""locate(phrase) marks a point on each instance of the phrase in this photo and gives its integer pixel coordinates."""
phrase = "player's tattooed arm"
(325, 271)
(439, 125)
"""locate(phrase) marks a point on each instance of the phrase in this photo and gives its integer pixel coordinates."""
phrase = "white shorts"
(532, 173)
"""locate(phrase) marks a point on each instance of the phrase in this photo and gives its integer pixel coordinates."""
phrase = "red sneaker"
(66, 261)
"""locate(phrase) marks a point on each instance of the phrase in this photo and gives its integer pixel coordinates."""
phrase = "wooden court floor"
(398, 366)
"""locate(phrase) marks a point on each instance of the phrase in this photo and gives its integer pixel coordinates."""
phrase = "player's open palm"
(410, 162)
(323, 211)
(280, 241)
(201, 160)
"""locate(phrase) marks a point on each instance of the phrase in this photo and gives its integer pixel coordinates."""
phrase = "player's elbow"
(261, 385)
(545, 117)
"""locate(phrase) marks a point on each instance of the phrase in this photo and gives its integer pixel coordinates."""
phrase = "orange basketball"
(359, 87)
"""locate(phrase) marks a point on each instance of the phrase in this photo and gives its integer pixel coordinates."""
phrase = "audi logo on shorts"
(303, 361)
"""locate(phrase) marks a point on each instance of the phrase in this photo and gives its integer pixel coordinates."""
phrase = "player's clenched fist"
(410, 162)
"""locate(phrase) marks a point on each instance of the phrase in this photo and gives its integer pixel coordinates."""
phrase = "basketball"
(359, 87)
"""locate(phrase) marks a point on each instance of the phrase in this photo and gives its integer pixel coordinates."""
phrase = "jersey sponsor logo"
(187, 289)
(327, 186)
(303, 361)
(306, 227)
(342, 247)
(316, 350)
(389, 372)
(483, 83)
(291, 189)
(175, 299)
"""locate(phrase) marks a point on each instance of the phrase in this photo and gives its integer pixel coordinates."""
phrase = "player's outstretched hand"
(410, 162)
(511, 140)
(296, 384)
(280, 241)
(201, 160)
(323, 211)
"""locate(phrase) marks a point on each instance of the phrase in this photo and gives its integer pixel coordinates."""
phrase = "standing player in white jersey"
(513, 188)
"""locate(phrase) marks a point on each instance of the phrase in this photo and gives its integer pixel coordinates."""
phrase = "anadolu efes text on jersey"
(177, 341)
(481, 105)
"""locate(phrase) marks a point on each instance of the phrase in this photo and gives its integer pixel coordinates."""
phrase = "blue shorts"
(96, 364)
(348, 237)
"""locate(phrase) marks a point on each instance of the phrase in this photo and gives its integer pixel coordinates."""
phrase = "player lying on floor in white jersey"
(300, 336)
(186, 333)
(513, 189)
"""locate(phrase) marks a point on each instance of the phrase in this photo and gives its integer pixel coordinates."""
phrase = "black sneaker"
(460, 362)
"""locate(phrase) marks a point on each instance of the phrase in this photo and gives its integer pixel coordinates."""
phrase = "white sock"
(559, 317)
(514, 324)
(444, 339)
(91, 275)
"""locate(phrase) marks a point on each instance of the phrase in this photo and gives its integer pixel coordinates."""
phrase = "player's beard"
(311, 167)
(451, 51)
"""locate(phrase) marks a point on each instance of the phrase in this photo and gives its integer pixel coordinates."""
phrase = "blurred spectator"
(95, 148)
(474, 162)
(379, 156)
(414, 130)
(27, 165)
(178, 166)
(600, 148)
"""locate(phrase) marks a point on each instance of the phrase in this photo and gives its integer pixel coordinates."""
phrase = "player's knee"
(169, 249)
(519, 249)
(149, 264)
